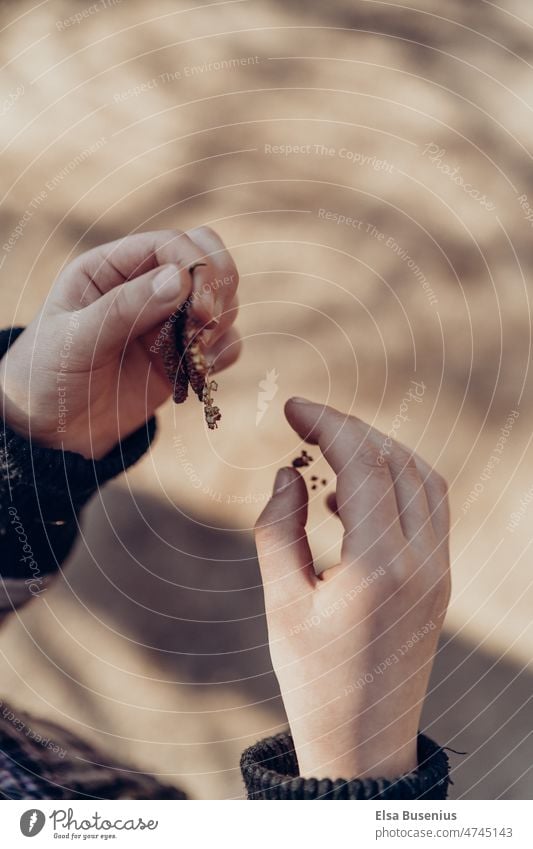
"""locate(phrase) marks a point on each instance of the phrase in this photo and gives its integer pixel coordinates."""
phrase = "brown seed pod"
(194, 359)
(185, 364)
(172, 355)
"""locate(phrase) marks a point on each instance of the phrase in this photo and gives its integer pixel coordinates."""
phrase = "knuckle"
(173, 244)
(400, 571)
(367, 454)
(206, 240)
(204, 231)
(119, 312)
(404, 458)
(169, 235)
(407, 458)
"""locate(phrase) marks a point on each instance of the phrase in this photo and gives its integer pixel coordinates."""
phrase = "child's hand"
(353, 649)
(82, 375)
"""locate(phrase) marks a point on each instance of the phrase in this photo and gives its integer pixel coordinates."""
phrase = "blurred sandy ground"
(146, 116)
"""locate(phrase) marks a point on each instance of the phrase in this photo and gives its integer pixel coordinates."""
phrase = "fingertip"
(296, 401)
(284, 478)
(290, 495)
(301, 414)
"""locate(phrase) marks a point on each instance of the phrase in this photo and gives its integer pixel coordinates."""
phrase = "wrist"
(271, 771)
(367, 759)
(56, 433)
(379, 749)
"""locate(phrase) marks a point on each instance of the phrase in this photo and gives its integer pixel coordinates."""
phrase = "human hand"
(353, 648)
(91, 352)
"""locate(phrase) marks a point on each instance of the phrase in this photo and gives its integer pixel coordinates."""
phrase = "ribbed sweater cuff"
(52, 473)
(270, 771)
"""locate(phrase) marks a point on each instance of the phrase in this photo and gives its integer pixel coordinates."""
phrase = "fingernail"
(167, 283)
(296, 400)
(283, 479)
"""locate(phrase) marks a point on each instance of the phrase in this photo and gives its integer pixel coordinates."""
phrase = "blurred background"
(369, 164)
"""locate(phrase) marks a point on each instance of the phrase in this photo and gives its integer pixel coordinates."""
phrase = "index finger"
(104, 267)
(366, 501)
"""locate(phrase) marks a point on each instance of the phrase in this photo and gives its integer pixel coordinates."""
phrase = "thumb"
(137, 306)
(283, 549)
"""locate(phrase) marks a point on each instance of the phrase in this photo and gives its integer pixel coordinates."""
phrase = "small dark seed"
(303, 460)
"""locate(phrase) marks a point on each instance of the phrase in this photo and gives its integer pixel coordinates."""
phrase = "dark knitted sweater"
(42, 492)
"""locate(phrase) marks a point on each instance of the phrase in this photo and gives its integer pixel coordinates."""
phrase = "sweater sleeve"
(270, 771)
(42, 491)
